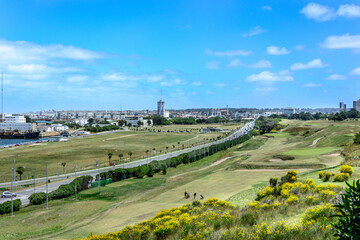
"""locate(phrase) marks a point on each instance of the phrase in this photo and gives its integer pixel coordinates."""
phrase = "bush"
(327, 176)
(150, 172)
(321, 174)
(67, 190)
(357, 138)
(319, 213)
(164, 169)
(292, 199)
(290, 177)
(37, 198)
(273, 182)
(341, 177)
(284, 157)
(346, 169)
(249, 218)
(6, 206)
(348, 225)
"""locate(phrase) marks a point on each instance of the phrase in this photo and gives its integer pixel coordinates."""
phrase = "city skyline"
(91, 55)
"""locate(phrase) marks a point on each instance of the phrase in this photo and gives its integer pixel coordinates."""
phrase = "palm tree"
(178, 145)
(167, 149)
(154, 149)
(120, 156)
(63, 164)
(147, 153)
(20, 170)
(130, 153)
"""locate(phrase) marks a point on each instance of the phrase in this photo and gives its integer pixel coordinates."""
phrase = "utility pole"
(34, 183)
(75, 183)
(99, 177)
(12, 204)
(47, 192)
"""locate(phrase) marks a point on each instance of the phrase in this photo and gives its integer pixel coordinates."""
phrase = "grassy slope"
(85, 151)
(134, 200)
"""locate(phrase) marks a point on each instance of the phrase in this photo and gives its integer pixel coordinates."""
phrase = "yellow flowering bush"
(341, 177)
(166, 228)
(321, 174)
(346, 169)
(214, 202)
(292, 199)
(326, 194)
(318, 213)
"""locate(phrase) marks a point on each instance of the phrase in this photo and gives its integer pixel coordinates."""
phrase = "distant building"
(18, 123)
(289, 111)
(356, 105)
(342, 107)
(161, 108)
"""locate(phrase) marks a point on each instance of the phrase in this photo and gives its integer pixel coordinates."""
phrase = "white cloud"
(267, 77)
(336, 77)
(122, 77)
(318, 12)
(254, 31)
(212, 65)
(154, 78)
(274, 50)
(231, 53)
(299, 47)
(264, 91)
(268, 8)
(349, 11)
(27, 68)
(173, 82)
(312, 85)
(259, 64)
(316, 63)
(20, 52)
(356, 71)
(77, 79)
(343, 41)
(323, 13)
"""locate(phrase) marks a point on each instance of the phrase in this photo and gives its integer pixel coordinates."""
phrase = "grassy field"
(224, 175)
(85, 152)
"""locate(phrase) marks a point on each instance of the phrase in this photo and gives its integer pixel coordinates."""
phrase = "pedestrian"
(201, 197)
(194, 195)
(186, 194)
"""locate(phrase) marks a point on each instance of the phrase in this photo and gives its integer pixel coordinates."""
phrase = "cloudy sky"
(127, 54)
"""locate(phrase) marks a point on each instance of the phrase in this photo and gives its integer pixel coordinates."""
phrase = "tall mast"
(2, 98)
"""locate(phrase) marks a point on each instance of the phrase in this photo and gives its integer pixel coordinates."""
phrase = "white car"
(7, 194)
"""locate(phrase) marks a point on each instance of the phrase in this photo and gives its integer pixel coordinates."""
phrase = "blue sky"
(127, 54)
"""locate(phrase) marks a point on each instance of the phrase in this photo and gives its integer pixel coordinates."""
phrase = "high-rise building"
(161, 108)
(342, 107)
(356, 105)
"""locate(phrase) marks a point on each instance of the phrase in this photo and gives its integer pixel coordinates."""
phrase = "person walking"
(194, 195)
(201, 197)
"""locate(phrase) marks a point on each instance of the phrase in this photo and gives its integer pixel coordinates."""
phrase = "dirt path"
(204, 168)
(315, 142)
(118, 137)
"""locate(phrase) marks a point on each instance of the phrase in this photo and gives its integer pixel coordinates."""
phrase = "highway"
(56, 181)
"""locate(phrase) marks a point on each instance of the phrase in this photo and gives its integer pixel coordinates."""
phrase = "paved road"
(56, 181)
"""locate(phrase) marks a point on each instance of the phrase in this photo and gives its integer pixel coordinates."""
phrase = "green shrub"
(327, 176)
(290, 177)
(37, 198)
(357, 138)
(284, 157)
(341, 177)
(6, 206)
(348, 224)
(67, 190)
(249, 218)
(150, 172)
(321, 174)
(164, 169)
(273, 182)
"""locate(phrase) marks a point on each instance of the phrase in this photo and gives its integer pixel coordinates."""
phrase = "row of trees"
(97, 128)
(160, 166)
(308, 116)
(265, 125)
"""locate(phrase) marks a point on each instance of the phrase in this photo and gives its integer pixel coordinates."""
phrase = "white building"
(16, 123)
(81, 121)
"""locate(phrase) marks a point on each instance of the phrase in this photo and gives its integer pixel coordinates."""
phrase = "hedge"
(6, 206)
(37, 198)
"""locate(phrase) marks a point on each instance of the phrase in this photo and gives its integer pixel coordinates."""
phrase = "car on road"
(7, 194)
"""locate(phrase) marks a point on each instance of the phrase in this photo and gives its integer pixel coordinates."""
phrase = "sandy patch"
(108, 139)
(332, 155)
(276, 160)
(315, 142)
(271, 170)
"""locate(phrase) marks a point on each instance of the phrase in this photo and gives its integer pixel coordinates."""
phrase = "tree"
(178, 145)
(129, 124)
(20, 170)
(167, 149)
(140, 123)
(148, 122)
(348, 224)
(63, 164)
(120, 156)
(110, 156)
(130, 154)
(91, 121)
(147, 153)
(357, 138)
